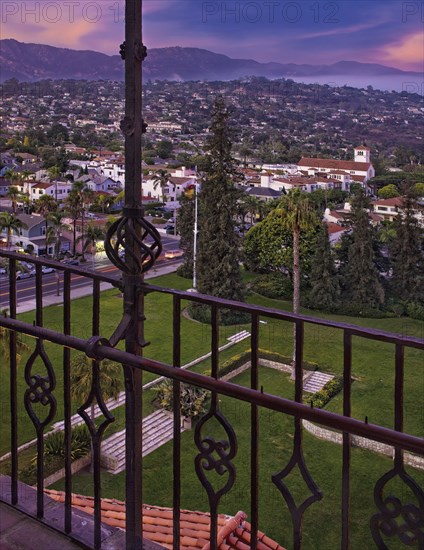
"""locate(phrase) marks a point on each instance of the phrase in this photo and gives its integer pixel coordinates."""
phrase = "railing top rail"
(99, 348)
(354, 330)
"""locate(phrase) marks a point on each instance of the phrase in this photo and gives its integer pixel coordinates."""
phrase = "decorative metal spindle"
(215, 456)
(347, 384)
(254, 419)
(297, 459)
(13, 384)
(67, 400)
(177, 427)
(131, 233)
(396, 519)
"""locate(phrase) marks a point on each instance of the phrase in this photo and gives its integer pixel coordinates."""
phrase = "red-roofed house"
(387, 208)
(360, 167)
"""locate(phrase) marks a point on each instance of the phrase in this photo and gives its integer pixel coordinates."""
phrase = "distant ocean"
(397, 83)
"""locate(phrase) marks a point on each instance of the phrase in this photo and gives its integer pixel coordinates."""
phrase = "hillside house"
(33, 234)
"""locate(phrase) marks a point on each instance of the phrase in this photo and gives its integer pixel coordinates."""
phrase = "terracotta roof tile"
(234, 533)
(334, 164)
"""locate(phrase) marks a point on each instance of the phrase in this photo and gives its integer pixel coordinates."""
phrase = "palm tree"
(93, 234)
(26, 201)
(14, 196)
(56, 229)
(10, 222)
(85, 195)
(110, 380)
(45, 205)
(297, 215)
(161, 179)
(74, 207)
(252, 206)
(11, 175)
(5, 342)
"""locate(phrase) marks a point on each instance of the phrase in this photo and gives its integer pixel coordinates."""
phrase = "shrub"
(54, 444)
(273, 285)
(158, 221)
(320, 398)
(51, 465)
(415, 311)
(227, 317)
(397, 308)
(185, 271)
(192, 399)
(356, 310)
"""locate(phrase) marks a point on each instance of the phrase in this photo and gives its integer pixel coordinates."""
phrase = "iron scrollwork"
(116, 240)
(95, 391)
(40, 388)
(395, 519)
(297, 460)
(215, 456)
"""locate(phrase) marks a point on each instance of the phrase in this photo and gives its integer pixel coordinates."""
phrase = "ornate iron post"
(130, 233)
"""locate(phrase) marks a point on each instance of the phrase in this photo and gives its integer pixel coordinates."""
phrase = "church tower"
(362, 154)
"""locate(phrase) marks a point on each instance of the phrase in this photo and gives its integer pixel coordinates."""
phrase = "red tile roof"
(234, 533)
(333, 228)
(395, 201)
(334, 164)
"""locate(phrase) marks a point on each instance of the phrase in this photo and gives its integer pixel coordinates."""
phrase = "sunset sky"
(389, 32)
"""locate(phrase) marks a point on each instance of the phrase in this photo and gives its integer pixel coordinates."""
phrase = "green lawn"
(276, 438)
(372, 396)
(195, 341)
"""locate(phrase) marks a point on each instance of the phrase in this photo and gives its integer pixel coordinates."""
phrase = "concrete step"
(317, 381)
(76, 418)
(158, 429)
(239, 336)
(150, 424)
(148, 439)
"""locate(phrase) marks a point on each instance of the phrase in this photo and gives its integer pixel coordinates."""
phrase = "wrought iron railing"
(393, 518)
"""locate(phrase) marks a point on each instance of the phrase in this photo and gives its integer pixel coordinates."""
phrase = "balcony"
(227, 442)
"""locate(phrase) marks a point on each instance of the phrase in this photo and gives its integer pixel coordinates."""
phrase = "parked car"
(23, 275)
(169, 229)
(46, 269)
(3, 271)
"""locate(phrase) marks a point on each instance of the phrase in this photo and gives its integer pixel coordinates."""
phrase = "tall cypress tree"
(407, 254)
(361, 276)
(218, 271)
(185, 226)
(325, 282)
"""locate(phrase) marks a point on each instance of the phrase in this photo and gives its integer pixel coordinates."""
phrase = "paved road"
(26, 287)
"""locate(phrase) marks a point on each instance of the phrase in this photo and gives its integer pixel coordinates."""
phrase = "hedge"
(320, 398)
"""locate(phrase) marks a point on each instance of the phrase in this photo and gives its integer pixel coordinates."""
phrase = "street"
(25, 288)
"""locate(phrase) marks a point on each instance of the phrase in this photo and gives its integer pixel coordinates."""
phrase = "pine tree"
(185, 226)
(325, 283)
(218, 270)
(361, 277)
(407, 254)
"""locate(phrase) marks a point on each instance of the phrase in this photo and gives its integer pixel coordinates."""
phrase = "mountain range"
(32, 62)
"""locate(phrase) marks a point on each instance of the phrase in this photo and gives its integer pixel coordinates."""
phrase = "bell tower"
(362, 154)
